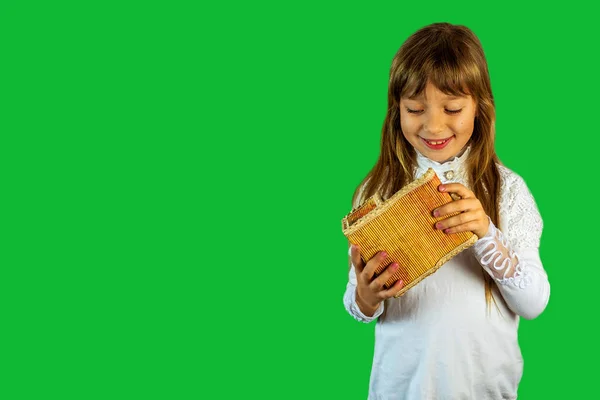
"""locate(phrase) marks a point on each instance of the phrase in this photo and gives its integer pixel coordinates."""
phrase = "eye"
(454, 111)
(410, 111)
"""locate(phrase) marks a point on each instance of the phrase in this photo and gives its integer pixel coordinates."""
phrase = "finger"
(466, 227)
(373, 264)
(391, 292)
(460, 219)
(457, 188)
(378, 283)
(357, 261)
(457, 206)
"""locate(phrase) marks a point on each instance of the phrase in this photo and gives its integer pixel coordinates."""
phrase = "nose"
(434, 123)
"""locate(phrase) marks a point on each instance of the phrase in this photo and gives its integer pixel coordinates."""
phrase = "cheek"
(408, 126)
(404, 127)
(465, 126)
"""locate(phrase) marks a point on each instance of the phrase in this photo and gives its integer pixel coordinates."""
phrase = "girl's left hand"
(472, 217)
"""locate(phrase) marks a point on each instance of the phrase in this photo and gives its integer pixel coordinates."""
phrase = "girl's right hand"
(370, 292)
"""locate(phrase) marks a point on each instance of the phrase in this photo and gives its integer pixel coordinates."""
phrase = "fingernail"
(394, 266)
(442, 188)
(436, 213)
(439, 225)
(401, 282)
(354, 247)
(383, 254)
(446, 230)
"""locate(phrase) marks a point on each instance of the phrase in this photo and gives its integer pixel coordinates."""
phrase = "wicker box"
(404, 227)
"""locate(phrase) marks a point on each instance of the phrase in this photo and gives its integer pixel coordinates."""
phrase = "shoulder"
(518, 208)
(513, 188)
(509, 179)
(359, 193)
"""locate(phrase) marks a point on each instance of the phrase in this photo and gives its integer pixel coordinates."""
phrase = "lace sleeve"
(517, 206)
(498, 258)
(512, 257)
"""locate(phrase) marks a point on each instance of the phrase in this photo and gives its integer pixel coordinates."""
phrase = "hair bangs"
(448, 69)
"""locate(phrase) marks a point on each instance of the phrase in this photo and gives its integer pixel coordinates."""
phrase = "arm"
(350, 299)
(513, 259)
(365, 293)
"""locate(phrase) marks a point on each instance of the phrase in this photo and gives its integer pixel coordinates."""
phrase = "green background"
(174, 176)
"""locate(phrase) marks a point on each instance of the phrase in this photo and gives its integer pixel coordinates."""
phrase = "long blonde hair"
(452, 59)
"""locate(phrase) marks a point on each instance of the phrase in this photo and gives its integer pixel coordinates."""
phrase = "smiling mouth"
(437, 144)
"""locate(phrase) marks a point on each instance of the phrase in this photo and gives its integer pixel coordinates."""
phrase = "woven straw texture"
(404, 227)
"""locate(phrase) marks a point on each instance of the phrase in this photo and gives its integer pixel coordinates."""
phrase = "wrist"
(484, 232)
(366, 308)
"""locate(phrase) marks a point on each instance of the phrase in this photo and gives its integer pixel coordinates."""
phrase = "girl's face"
(437, 125)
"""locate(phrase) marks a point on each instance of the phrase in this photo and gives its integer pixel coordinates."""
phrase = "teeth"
(436, 143)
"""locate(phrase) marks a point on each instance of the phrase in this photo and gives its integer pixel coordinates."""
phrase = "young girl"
(454, 335)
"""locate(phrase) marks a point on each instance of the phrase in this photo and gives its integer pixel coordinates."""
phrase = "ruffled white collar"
(452, 170)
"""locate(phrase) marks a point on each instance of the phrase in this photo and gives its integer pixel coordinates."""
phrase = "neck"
(458, 155)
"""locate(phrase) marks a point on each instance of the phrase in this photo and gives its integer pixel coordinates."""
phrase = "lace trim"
(522, 278)
(494, 258)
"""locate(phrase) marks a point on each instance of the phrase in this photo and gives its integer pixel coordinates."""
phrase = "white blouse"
(440, 340)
